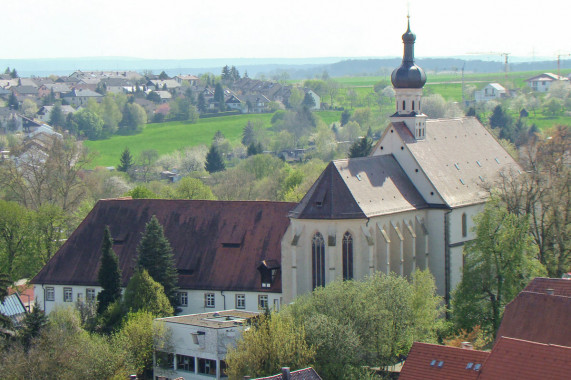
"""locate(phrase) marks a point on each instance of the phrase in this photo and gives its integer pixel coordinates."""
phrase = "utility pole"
(559, 64)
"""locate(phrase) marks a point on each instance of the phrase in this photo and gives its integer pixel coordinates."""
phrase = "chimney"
(466, 346)
(285, 373)
(550, 291)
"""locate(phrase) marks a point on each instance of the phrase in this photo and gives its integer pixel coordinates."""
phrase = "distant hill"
(296, 68)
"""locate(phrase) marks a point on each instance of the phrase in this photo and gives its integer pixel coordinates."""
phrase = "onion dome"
(408, 75)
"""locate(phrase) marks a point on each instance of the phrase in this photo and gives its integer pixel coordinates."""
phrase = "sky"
(198, 29)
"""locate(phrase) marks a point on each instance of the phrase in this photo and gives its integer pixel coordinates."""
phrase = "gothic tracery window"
(318, 260)
(347, 256)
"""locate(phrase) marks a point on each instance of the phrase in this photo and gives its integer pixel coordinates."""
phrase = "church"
(409, 205)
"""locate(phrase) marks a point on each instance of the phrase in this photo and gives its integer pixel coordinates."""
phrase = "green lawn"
(170, 136)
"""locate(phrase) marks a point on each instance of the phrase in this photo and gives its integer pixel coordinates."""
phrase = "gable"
(359, 188)
(217, 245)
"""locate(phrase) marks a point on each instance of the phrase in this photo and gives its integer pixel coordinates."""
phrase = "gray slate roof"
(458, 156)
(359, 188)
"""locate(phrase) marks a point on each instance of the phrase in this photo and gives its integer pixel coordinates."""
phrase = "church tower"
(408, 80)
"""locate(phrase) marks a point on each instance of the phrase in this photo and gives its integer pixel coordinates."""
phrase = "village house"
(492, 91)
(190, 79)
(543, 82)
(79, 97)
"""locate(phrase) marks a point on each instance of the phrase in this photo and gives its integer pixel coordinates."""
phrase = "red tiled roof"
(454, 362)
(560, 286)
(217, 245)
(521, 360)
(538, 318)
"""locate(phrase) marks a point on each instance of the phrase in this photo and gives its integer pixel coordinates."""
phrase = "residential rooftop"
(214, 320)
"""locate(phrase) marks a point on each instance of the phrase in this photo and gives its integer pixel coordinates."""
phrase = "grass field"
(170, 136)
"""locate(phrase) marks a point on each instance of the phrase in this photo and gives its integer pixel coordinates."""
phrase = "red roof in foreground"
(522, 360)
(558, 286)
(217, 245)
(538, 318)
(423, 362)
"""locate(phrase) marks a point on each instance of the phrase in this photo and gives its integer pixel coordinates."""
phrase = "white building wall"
(195, 298)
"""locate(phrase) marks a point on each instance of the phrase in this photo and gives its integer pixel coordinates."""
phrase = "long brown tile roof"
(538, 317)
(554, 286)
(432, 361)
(217, 245)
(515, 359)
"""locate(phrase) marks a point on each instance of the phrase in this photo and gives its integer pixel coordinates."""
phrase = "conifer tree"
(109, 275)
(248, 135)
(219, 96)
(361, 148)
(32, 325)
(126, 161)
(155, 255)
(214, 162)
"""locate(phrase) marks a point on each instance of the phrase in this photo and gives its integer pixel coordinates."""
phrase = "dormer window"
(268, 272)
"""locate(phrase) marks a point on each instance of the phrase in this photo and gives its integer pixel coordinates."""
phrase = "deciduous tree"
(498, 264)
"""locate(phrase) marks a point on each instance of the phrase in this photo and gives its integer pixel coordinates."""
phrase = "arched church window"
(464, 225)
(413, 105)
(318, 260)
(347, 256)
(403, 105)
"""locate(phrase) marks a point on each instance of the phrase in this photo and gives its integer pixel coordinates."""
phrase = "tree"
(54, 180)
(214, 162)
(87, 123)
(219, 96)
(345, 116)
(57, 118)
(141, 192)
(201, 103)
(32, 325)
(146, 163)
(134, 116)
(13, 102)
(14, 74)
(274, 341)
(192, 188)
(248, 135)
(254, 149)
(16, 254)
(154, 97)
(553, 106)
(126, 161)
(308, 101)
(138, 338)
(332, 89)
(29, 108)
(542, 194)
(234, 73)
(163, 75)
(498, 264)
(226, 76)
(143, 293)
(361, 148)
(109, 274)
(155, 255)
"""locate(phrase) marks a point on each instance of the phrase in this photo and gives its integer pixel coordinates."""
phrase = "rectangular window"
(185, 363)
(50, 293)
(90, 295)
(183, 299)
(209, 300)
(164, 359)
(207, 366)
(223, 367)
(240, 301)
(67, 295)
(262, 302)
